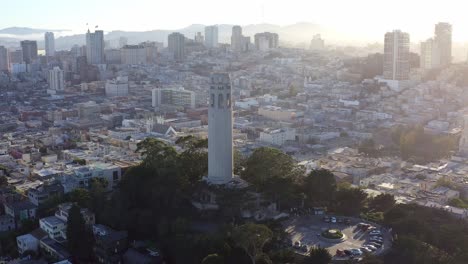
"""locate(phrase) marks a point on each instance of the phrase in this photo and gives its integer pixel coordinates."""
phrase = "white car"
(375, 232)
(371, 247)
(333, 220)
(356, 252)
(365, 249)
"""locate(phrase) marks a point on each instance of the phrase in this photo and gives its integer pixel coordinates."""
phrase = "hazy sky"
(368, 19)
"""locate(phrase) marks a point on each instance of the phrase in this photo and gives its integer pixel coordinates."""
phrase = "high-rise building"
(95, 47)
(396, 55)
(117, 87)
(266, 40)
(176, 45)
(122, 42)
(220, 158)
(4, 59)
(133, 54)
(56, 81)
(173, 96)
(16, 56)
(236, 38)
(443, 37)
(49, 44)
(317, 43)
(430, 54)
(151, 49)
(29, 48)
(211, 36)
(199, 38)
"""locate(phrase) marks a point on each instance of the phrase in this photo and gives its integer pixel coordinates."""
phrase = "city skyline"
(362, 20)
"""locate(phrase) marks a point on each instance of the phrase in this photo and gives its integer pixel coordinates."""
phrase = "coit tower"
(220, 161)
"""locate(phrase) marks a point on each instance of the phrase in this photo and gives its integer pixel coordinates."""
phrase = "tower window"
(220, 101)
(212, 100)
(228, 100)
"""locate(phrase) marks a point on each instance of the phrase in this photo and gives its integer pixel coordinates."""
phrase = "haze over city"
(233, 132)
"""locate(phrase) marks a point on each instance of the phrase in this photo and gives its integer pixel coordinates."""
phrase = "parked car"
(333, 220)
(340, 253)
(304, 248)
(340, 220)
(374, 239)
(326, 219)
(371, 247)
(365, 249)
(347, 221)
(356, 252)
(376, 244)
(348, 252)
(375, 232)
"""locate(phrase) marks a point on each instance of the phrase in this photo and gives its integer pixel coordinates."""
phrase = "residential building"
(151, 49)
(16, 56)
(7, 223)
(95, 47)
(4, 59)
(117, 87)
(443, 38)
(199, 38)
(113, 56)
(22, 210)
(173, 96)
(49, 44)
(122, 42)
(220, 159)
(30, 242)
(29, 48)
(110, 245)
(63, 210)
(53, 226)
(56, 81)
(277, 137)
(39, 195)
(396, 55)
(133, 54)
(176, 45)
(266, 40)
(54, 250)
(211, 36)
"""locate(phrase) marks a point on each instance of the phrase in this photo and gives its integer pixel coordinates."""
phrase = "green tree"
(3, 181)
(80, 238)
(193, 158)
(252, 238)
(80, 196)
(319, 187)
(382, 202)
(318, 255)
(273, 172)
(350, 201)
(213, 259)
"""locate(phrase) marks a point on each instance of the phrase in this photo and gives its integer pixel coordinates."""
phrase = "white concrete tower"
(220, 161)
(463, 144)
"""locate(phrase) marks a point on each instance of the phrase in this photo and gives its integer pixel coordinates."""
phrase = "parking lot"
(307, 230)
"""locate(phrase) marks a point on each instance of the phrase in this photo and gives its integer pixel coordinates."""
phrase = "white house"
(278, 136)
(53, 226)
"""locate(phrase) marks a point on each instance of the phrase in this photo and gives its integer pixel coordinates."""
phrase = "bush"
(332, 234)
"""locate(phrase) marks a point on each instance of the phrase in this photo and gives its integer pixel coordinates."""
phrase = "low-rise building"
(53, 226)
(278, 137)
(23, 210)
(41, 194)
(110, 244)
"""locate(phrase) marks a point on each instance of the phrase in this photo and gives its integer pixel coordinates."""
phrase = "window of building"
(212, 100)
(228, 100)
(220, 101)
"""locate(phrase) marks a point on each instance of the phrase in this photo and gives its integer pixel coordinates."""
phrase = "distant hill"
(296, 33)
(25, 31)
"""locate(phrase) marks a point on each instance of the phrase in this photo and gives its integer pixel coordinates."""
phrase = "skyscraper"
(396, 55)
(430, 54)
(176, 45)
(266, 40)
(211, 36)
(29, 48)
(95, 47)
(443, 37)
(49, 44)
(4, 59)
(220, 159)
(56, 81)
(236, 38)
(317, 43)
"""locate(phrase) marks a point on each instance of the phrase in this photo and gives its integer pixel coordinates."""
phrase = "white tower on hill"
(463, 144)
(220, 160)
